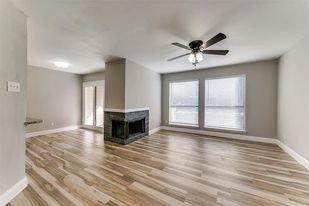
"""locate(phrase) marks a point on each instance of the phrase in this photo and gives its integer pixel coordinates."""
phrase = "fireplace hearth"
(125, 127)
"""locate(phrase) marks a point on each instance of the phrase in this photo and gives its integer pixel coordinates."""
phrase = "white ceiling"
(87, 33)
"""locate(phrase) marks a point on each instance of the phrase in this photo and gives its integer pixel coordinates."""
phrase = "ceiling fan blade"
(215, 39)
(171, 59)
(181, 45)
(216, 52)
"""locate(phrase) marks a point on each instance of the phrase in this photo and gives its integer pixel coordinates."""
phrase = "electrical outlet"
(52, 123)
(13, 86)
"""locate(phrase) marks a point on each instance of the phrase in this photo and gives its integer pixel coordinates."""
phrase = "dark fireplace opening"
(127, 129)
(136, 127)
(118, 129)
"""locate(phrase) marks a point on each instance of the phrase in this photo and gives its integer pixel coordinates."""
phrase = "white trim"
(13, 191)
(222, 134)
(125, 110)
(154, 130)
(45, 132)
(222, 129)
(301, 160)
(93, 128)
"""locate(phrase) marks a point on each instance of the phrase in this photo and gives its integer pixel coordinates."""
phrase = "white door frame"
(92, 84)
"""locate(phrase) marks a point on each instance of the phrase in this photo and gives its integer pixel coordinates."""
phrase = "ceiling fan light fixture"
(197, 48)
(199, 56)
(195, 57)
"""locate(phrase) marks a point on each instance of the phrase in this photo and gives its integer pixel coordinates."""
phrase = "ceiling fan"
(197, 48)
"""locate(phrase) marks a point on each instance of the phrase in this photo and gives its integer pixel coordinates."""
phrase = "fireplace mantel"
(125, 110)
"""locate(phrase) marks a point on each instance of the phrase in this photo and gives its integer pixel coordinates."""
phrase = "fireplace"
(125, 127)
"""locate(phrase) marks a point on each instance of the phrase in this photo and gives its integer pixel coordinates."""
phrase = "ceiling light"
(195, 57)
(63, 65)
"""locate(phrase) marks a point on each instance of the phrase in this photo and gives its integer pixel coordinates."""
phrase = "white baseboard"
(13, 191)
(301, 160)
(222, 134)
(154, 130)
(45, 132)
(93, 128)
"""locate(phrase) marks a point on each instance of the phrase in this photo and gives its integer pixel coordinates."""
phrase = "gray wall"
(115, 84)
(53, 96)
(261, 94)
(13, 65)
(94, 76)
(293, 99)
(143, 89)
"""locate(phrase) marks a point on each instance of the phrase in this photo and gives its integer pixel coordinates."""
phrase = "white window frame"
(92, 84)
(169, 103)
(244, 130)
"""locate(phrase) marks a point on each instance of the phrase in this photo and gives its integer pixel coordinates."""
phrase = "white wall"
(115, 84)
(143, 89)
(13, 65)
(94, 76)
(53, 96)
(293, 98)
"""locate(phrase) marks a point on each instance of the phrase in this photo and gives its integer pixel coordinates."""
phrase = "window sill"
(183, 125)
(216, 129)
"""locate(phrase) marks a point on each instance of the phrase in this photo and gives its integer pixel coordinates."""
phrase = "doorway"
(93, 105)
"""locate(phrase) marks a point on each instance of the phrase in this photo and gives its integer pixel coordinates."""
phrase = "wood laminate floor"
(167, 168)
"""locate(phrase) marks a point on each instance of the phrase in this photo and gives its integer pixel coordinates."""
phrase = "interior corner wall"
(143, 89)
(97, 76)
(293, 98)
(53, 96)
(115, 84)
(261, 94)
(13, 65)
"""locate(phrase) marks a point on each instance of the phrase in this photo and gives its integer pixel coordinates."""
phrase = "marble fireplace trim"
(125, 110)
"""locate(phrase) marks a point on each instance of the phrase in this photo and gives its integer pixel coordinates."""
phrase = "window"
(93, 104)
(183, 103)
(89, 95)
(225, 103)
(99, 106)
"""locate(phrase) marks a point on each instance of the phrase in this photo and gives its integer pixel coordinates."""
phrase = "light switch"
(13, 86)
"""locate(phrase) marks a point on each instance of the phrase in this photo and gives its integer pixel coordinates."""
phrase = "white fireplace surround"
(125, 110)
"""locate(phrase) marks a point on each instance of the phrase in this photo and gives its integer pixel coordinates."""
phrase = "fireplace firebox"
(128, 129)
